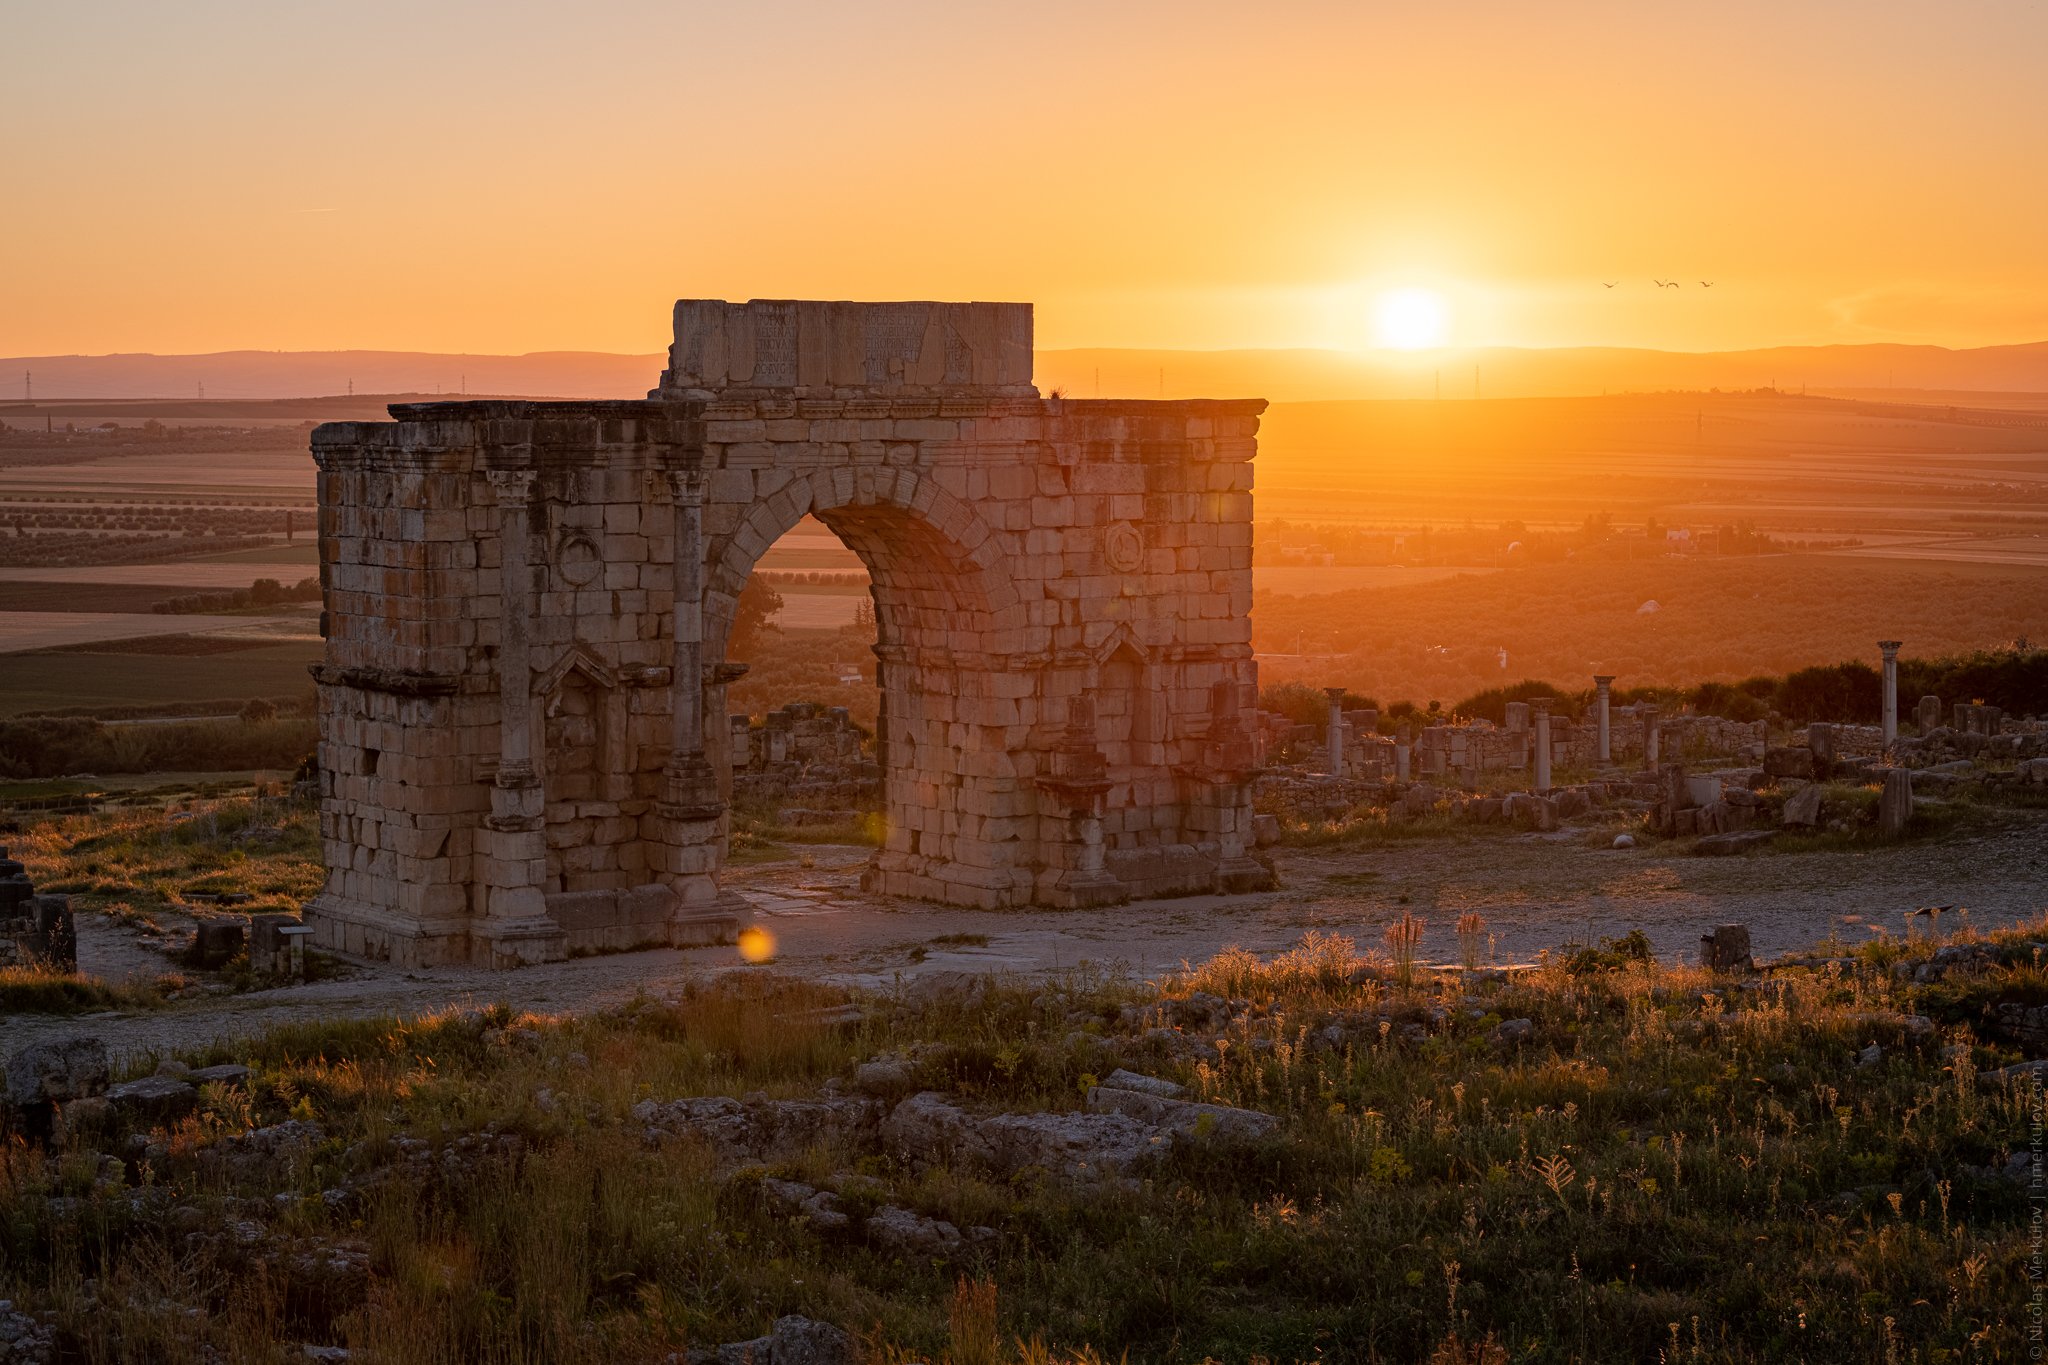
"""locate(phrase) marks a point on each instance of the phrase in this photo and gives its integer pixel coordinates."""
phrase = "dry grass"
(1667, 1165)
(140, 859)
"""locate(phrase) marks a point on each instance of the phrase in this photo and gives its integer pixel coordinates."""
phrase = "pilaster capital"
(686, 486)
(511, 487)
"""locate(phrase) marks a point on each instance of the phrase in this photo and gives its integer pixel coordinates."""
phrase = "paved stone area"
(1535, 892)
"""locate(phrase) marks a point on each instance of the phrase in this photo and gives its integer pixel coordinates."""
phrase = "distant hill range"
(1281, 375)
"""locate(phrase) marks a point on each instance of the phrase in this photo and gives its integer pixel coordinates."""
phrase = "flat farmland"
(1713, 619)
(1925, 522)
(34, 630)
(1794, 466)
(52, 680)
(170, 575)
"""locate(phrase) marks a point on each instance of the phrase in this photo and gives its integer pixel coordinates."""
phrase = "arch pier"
(522, 702)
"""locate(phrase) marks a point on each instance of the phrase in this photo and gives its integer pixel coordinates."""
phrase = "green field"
(63, 679)
(305, 550)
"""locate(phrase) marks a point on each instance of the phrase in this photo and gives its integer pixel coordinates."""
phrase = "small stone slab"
(1736, 841)
(227, 1073)
(155, 1098)
(1121, 1079)
(1183, 1117)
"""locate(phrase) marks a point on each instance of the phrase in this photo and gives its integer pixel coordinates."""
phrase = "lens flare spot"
(757, 944)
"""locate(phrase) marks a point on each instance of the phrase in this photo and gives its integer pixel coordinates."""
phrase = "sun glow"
(1410, 319)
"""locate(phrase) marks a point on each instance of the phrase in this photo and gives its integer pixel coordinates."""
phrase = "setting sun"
(1410, 319)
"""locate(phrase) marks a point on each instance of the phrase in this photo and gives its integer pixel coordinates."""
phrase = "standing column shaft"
(1650, 736)
(1334, 745)
(514, 489)
(686, 681)
(1604, 683)
(1891, 690)
(1542, 710)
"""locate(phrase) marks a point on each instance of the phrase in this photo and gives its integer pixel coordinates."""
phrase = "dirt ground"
(1534, 891)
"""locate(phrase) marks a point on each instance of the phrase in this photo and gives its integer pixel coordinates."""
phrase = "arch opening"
(931, 673)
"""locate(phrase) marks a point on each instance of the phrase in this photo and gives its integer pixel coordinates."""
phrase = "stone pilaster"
(1541, 707)
(688, 821)
(690, 781)
(1650, 737)
(513, 843)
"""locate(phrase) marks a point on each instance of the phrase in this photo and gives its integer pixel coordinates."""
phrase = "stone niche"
(524, 745)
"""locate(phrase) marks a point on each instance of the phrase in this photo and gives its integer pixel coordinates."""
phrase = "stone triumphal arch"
(523, 740)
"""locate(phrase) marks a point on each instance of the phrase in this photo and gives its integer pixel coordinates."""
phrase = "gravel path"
(1535, 891)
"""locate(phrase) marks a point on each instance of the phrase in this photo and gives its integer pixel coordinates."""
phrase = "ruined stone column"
(1401, 752)
(1541, 707)
(1334, 744)
(1650, 736)
(516, 926)
(1891, 690)
(1602, 683)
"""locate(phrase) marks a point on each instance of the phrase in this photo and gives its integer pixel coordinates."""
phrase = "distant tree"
(753, 615)
(258, 711)
(1305, 705)
(1492, 704)
(1848, 692)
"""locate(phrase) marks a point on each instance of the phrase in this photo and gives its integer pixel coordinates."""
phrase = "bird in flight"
(1706, 284)
(1665, 284)
(1610, 286)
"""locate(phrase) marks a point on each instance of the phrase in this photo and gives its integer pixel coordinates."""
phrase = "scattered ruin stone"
(1895, 806)
(820, 1208)
(928, 1127)
(807, 754)
(153, 1100)
(1145, 1085)
(1726, 950)
(35, 930)
(216, 942)
(886, 1077)
(1512, 1032)
(793, 1341)
(1739, 841)
(757, 1128)
(1184, 1118)
(57, 1071)
(908, 1233)
(1790, 761)
(1802, 808)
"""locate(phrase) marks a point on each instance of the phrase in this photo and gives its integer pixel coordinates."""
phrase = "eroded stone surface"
(524, 741)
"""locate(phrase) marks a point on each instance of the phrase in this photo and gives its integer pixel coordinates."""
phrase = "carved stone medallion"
(1123, 548)
(578, 559)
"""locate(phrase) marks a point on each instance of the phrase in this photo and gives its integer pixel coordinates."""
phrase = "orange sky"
(514, 176)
